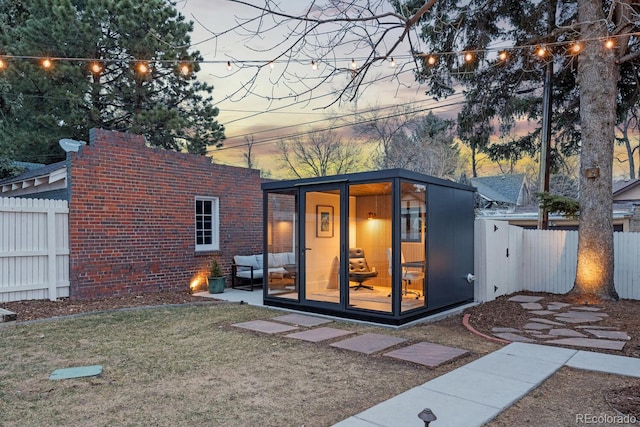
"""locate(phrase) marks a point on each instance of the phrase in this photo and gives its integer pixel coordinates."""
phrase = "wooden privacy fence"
(511, 259)
(34, 249)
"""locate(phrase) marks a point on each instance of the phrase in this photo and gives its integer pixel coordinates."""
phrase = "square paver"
(525, 298)
(301, 320)
(368, 343)
(265, 326)
(319, 334)
(426, 353)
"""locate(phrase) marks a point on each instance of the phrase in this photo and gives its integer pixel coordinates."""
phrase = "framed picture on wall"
(324, 221)
(411, 223)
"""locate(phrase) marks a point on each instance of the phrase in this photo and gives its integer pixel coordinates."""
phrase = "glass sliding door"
(369, 243)
(322, 244)
(282, 245)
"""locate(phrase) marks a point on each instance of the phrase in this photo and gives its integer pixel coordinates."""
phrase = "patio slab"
(525, 298)
(265, 326)
(426, 353)
(368, 343)
(301, 320)
(319, 334)
(590, 342)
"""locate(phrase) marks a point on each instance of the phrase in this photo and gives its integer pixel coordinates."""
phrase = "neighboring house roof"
(27, 165)
(501, 188)
(626, 191)
(44, 179)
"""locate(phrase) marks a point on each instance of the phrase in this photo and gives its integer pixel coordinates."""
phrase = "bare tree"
(319, 154)
(625, 129)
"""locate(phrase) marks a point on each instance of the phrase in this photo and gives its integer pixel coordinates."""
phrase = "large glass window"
(207, 224)
(412, 272)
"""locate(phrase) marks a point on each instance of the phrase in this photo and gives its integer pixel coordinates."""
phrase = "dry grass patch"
(189, 366)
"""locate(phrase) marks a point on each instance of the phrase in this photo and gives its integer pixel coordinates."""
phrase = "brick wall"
(131, 215)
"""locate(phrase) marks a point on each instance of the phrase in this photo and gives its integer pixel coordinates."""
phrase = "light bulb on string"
(575, 48)
(431, 60)
(468, 57)
(142, 68)
(609, 44)
(314, 65)
(46, 63)
(541, 51)
(271, 64)
(229, 65)
(353, 64)
(185, 70)
(3, 64)
(503, 55)
(393, 63)
(95, 67)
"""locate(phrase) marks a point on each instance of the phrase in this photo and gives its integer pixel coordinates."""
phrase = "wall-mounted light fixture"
(372, 215)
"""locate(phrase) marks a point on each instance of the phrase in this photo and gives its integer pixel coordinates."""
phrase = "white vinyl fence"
(511, 259)
(34, 249)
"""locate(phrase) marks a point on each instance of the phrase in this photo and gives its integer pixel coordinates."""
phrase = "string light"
(185, 70)
(431, 60)
(353, 64)
(46, 63)
(541, 51)
(576, 48)
(2, 64)
(610, 44)
(314, 65)
(95, 67)
(468, 57)
(142, 68)
(229, 65)
(393, 63)
(503, 55)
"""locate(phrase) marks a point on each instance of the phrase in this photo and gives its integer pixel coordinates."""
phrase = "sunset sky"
(267, 120)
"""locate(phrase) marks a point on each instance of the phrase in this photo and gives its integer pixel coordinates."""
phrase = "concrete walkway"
(477, 392)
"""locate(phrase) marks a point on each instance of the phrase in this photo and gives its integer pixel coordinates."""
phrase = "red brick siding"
(131, 215)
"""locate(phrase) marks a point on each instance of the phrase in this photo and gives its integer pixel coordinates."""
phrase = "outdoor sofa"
(247, 271)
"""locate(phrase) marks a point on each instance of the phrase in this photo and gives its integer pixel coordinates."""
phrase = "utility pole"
(545, 142)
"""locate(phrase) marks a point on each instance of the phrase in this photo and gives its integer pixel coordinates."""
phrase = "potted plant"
(216, 279)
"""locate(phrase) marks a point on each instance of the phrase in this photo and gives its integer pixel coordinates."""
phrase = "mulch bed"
(623, 315)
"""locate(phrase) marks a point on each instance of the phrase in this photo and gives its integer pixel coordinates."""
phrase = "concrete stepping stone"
(319, 334)
(265, 326)
(543, 312)
(426, 353)
(611, 335)
(546, 321)
(531, 306)
(368, 343)
(502, 330)
(76, 372)
(583, 314)
(524, 298)
(557, 305)
(566, 333)
(301, 320)
(576, 320)
(611, 328)
(537, 326)
(509, 336)
(579, 317)
(586, 308)
(589, 342)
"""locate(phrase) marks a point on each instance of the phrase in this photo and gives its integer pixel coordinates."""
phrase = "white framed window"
(207, 224)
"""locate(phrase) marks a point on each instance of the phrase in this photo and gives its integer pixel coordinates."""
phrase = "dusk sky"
(253, 114)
